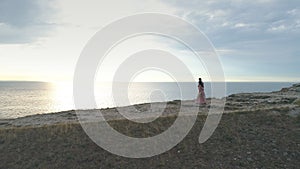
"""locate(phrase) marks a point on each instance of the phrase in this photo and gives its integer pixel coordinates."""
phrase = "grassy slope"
(242, 140)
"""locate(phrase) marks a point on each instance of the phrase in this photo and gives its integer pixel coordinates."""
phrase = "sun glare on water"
(62, 95)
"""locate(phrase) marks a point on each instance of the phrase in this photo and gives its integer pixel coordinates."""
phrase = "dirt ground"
(259, 139)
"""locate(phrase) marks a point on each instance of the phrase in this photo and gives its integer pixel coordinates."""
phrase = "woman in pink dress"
(201, 95)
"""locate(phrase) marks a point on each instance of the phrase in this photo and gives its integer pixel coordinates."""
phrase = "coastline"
(257, 130)
(20, 99)
(286, 98)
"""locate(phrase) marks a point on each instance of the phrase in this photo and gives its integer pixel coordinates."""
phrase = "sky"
(41, 40)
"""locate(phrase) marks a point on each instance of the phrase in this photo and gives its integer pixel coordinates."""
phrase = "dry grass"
(242, 140)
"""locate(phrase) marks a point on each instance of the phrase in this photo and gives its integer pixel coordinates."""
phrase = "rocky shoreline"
(286, 98)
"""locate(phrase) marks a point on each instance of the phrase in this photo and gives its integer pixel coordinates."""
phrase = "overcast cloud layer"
(257, 37)
(24, 21)
(256, 40)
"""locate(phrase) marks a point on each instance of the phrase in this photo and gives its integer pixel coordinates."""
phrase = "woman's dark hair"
(201, 83)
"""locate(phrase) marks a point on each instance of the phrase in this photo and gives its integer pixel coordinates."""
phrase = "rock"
(297, 102)
(294, 112)
(284, 90)
(296, 85)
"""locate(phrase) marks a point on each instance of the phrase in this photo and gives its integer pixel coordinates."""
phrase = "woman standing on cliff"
(201, 94)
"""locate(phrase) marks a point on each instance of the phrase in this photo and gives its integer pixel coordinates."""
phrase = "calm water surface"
(19, 99)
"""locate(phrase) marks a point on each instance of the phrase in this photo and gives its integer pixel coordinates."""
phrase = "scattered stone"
(284, 90)
(297, 102)
(294, 112)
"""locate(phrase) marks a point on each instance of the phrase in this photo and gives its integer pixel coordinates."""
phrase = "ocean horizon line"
(37, 81)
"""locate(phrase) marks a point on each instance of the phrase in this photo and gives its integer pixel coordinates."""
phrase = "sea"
(22, 98)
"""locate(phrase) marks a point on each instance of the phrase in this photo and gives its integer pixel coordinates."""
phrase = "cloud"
(263, 35)
(249, 21)
(24, 21)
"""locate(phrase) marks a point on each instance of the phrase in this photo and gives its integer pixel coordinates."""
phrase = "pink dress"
(201, 96)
